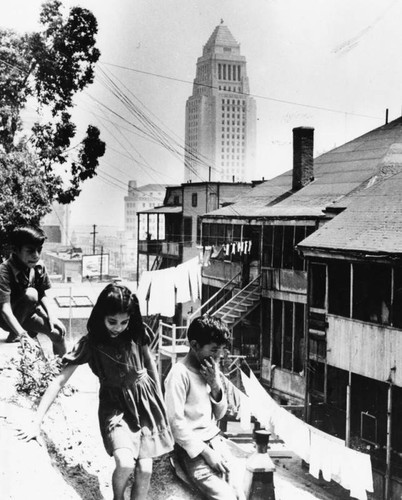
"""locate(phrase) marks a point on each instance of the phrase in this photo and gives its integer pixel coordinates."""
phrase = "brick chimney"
(303, 162)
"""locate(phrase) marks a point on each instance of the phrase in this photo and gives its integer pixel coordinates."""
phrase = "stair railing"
(246, 297)
(198, 311)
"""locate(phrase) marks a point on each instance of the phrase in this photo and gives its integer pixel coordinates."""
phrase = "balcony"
(150, 247)
(370, 350)
(171, 248)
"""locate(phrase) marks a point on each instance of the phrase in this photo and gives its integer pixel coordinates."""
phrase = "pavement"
(83, 472)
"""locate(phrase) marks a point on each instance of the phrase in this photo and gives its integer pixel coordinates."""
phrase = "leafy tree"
(48, 67)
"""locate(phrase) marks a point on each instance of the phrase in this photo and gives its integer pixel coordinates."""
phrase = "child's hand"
(215, 460)
(210, 371)
(27, 342)
(30, 432)
(57, 328)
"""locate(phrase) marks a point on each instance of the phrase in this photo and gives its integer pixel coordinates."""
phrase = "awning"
(163, 210)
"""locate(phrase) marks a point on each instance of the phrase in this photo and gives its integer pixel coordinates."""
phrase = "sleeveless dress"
(131, 411)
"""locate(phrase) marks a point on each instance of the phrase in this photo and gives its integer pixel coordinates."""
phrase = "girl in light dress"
(132, 414)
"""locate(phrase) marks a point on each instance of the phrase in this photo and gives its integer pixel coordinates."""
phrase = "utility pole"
(94, 233)
(121, 261)
(101, 263)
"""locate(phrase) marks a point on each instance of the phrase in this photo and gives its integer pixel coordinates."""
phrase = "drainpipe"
(388, 492)
(307, 409)
(349, 386)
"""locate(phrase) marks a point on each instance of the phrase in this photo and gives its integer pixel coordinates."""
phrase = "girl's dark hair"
(115, 299)
(27, 235)
(207, 329)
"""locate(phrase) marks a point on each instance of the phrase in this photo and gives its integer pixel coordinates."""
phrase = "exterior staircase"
(241, 304)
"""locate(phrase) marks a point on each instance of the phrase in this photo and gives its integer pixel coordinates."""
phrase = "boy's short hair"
(207, 329)
(27, 235)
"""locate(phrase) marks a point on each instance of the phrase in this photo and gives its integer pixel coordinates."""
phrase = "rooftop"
(339, 176)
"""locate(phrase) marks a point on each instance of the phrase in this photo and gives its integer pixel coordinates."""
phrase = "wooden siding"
(366, 349)
(221, 270)
(289, 383)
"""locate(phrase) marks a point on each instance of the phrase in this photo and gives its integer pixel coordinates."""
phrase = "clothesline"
(159, 291)
(324, 453)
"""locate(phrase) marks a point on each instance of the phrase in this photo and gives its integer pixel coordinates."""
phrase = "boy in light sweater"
(195, 400)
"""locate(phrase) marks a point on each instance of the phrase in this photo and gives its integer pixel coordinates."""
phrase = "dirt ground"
(73, 463)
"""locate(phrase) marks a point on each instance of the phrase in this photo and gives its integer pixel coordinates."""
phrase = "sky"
(332, 65)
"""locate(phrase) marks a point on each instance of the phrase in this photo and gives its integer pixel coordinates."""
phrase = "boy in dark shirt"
(24, 306)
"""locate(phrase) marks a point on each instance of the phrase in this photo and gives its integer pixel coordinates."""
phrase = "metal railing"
(171, 335)
(243, 299)
(215, 298)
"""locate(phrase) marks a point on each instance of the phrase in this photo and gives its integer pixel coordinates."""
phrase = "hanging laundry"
(182, 283)
(206, 256)
(238, 403)
(143, 291)
(257, 407)
(162, 293)
(216, 251)
(324, 453)
(194, 272)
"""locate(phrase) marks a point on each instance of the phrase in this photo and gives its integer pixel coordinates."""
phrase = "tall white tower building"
(220, 115)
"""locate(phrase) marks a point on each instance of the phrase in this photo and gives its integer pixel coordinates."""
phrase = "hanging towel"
(143, 291)
(194, 271)
(162, 293)
(257, 407)
(182, 283)
(356, 473)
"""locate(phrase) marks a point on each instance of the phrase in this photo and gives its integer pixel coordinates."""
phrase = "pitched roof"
(338, 176)
(372, 222)
(221, 37)
(151, 187)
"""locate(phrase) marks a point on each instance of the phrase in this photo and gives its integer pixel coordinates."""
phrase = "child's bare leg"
(142, 479)
(124, 467)
(59, 342)
(25, 305)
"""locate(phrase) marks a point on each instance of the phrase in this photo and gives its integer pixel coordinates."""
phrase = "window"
(318, 285)
(339, 288)
(300, 234)
(372, 293)
(397, 300)
(288, 335)
(187, 231)
(194, 200)
(278, 240)
(288, 247)
(199, 238)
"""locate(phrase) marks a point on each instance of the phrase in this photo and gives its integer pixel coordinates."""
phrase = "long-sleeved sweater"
(191, 410)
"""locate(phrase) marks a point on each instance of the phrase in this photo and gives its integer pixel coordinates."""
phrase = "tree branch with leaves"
(49, 67)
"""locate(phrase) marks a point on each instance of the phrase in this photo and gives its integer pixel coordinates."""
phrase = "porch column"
(388, 492)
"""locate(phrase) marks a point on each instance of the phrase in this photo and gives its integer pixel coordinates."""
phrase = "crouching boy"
(24, 307)
(195, 400)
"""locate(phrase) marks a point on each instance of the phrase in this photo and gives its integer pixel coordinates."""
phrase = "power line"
(149, 122)
(257, 96)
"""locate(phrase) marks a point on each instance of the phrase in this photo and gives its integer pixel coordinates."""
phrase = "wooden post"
(160, 332)
(348, 400)
(389, 445)
(349, 386)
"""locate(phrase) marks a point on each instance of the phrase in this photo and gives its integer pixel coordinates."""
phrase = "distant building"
(56, 224)
(178, 238)
(220, 115)
(139, 199)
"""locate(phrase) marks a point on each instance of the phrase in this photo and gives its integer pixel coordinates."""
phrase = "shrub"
(36, 370)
